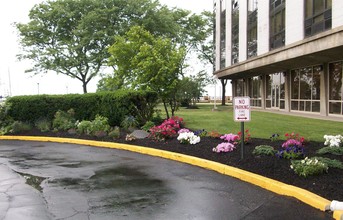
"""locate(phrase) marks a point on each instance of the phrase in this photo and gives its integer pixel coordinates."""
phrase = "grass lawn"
(262, 124)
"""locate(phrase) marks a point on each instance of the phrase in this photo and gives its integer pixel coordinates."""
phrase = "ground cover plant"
(318, 173)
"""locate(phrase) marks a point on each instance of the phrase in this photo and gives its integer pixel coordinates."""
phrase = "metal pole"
(242, 141)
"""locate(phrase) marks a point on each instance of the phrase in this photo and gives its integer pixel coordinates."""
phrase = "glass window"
(255, 84)
(335, 88)
(318, 16)
(305, 89)
(252, 28)
(277, 23)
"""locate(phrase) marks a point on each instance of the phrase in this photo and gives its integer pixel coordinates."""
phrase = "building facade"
(284, 55)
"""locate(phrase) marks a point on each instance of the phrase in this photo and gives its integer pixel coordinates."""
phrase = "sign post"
(241, 108)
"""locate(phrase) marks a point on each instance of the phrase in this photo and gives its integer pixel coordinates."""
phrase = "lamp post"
(38, 88)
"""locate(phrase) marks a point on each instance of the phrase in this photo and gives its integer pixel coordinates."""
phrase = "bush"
(84, 127)
(113, 105)
(64, 121)
(129, 122)
(264, 150)
(308, 167)
(148, 125)
(18, 126)
(99, 124)
(115, 133)
(43, 124)
(331, 150)
(167, 129)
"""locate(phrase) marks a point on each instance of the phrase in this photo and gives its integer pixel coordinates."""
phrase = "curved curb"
(258, 180)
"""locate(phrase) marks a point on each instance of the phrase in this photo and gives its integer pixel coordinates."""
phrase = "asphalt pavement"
(45, 180)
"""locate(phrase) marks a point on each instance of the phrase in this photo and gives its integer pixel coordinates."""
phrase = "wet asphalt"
(41, 180)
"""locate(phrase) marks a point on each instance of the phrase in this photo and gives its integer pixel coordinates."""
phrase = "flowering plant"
(214, 134)
(200, 133)
(292, 142)
(224, 147)
(333, 141)
(230, 137)
(295, 137)
(188, 138)
(291, 152)
(167, 129)
(274, 137)
(309, 166)
(182, 130)
(247, 136)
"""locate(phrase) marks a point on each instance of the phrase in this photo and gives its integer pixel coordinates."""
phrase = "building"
(284, 55)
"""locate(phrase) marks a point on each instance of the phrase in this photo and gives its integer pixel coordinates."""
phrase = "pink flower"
(224, 147)
(230, 137)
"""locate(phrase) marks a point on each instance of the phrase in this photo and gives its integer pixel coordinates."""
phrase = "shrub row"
(113, 105)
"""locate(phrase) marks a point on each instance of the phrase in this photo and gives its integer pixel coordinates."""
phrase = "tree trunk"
(84, 86)
(224, 82)
(166, 108)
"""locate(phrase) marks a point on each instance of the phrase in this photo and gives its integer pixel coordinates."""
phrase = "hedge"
(113, 105)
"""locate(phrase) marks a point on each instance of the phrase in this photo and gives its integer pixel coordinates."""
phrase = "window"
(305, 89)
(252, 28)
(275, 91)
(335, 88)
(277, 23)
(235, 31)
(222, 34)
(318, 16)
(255, 84)
(239, 87)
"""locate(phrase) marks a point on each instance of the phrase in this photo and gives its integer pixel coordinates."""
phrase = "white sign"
(241, 109)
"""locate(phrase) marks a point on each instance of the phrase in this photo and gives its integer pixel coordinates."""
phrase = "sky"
(13, 79)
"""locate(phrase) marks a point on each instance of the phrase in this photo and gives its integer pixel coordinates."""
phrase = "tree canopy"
(72, 37)
(146, 62)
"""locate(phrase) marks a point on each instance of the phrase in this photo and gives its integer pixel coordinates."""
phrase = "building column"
(217, 33)
(234, 84)
(337, 15)
(324, 96)
(243, 26)
(287, 91)
(295, 16)
(228, 36)
(263, 91)
(263, 27)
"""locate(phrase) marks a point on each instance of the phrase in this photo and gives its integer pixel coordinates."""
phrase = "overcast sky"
(13, 80)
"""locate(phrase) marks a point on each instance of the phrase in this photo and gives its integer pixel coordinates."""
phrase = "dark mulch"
(328, 185)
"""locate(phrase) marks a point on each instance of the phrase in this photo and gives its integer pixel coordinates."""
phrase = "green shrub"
(264, 150)
(148, 125)
(115, 133)
(64, 121)
(99, 124)
(331, 150)
(332, 163)
(43, 124)
(18, 126)
(84, 127)
(113, 105)
(129, 122)
(309, 167)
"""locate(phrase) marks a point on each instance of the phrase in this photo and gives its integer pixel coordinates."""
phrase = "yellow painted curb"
(258, 180)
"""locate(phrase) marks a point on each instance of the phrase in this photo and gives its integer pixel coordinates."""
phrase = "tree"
(146, 62)
(72, 37)
(191, 88)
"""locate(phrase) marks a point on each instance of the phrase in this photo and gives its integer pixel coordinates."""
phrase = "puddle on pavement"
(34, 181)
(120, 190)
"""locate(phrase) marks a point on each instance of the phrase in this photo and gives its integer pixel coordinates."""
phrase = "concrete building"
(285, 55)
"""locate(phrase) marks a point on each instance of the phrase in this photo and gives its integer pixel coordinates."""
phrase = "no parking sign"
(241, 109)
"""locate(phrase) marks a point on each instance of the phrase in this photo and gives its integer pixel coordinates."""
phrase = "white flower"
(188, 137)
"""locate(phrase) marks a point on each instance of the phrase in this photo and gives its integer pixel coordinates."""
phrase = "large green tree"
(72, 37)
(146, 62)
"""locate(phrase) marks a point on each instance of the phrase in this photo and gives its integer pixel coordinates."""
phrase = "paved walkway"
(78, 182)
